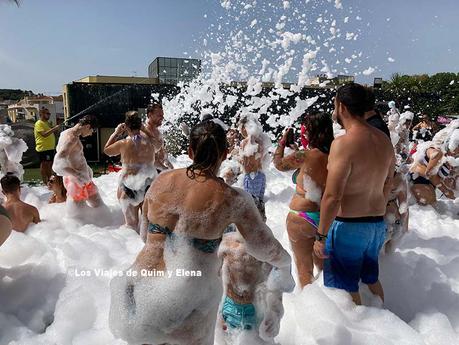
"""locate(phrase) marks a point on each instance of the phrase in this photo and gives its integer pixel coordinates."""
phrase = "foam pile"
(55, 279)
(11, 151)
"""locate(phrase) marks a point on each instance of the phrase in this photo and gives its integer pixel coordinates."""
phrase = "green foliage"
(431, 95)
(14, 95)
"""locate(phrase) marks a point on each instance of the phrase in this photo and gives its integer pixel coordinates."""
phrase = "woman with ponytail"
(138, 170)
(185, 214)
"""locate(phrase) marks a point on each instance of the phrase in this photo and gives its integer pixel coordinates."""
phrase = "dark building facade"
(109, 102)
(173, 70)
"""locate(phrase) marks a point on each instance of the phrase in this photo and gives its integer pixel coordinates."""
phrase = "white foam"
(422, 275)
(11, 151)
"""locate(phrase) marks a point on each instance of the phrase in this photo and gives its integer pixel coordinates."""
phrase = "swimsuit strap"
(158, 229)
(295, 175)
(206, 246)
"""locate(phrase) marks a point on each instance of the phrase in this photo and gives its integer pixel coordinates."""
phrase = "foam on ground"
(42, 301)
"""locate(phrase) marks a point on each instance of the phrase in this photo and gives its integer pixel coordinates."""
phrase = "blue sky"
(45, 44)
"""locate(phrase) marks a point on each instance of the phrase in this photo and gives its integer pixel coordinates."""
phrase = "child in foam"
(186, 212)
(252, 153)
(244, 284)
(138, 167)
(70, 163)
(21, 213)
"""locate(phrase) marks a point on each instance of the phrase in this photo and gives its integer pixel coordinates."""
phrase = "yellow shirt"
(43, 143)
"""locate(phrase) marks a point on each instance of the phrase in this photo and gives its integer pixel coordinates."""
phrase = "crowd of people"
(351, 196)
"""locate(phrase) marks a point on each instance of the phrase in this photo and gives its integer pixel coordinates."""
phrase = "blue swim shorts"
(353, 245)
(242, 316)
(255, 184)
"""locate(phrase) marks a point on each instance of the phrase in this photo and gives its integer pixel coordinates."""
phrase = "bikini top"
(295, 175)
(205, 246)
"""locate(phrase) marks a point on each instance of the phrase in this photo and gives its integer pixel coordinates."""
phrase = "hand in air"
(120, 129)
(319, 250)
(286, 131)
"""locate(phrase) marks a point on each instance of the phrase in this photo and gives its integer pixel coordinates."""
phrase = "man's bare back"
(360, 172)
(22, 214)
(366, 156)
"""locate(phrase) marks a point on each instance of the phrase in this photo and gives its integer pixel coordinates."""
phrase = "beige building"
(28, 108)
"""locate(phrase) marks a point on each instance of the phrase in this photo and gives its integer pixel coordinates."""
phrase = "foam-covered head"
(391, 104)
(10, 183)
(319, 129)
(353, 97)
(248, 125)
(208, 148)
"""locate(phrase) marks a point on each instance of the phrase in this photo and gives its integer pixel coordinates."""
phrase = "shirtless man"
(138, 168)
(155, 116)
(360, 172)
(251, 156)
(21, 214)
(242, 275)
(70, 163)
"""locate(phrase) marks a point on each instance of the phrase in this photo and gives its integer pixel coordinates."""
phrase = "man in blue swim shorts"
(351, 231)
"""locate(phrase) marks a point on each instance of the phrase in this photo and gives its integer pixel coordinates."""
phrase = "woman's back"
(137, 150)
(198, 208)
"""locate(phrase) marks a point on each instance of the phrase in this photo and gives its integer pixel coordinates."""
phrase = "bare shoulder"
(166, 176)
(340, 144)
(29, 208)
(239, 197)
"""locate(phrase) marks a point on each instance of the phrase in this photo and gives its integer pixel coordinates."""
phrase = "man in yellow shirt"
(45, 144)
